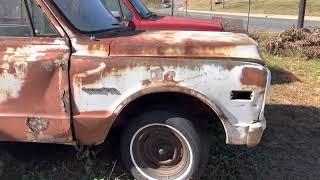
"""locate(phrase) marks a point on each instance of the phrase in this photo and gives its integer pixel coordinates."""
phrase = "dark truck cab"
(69, 73)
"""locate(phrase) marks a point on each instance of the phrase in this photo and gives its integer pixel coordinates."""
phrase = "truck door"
(34, 101)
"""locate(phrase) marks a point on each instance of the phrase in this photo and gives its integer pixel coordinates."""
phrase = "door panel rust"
(33, 84)
(91, 127)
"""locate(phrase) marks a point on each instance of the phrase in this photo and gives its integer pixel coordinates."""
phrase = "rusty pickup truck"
(69, 73)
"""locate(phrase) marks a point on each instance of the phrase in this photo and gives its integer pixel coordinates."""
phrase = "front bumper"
(245, 135)
(256, 130)
(255, 133)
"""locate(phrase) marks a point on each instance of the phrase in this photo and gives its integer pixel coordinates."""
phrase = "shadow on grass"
(281, 76)
(289, 150)
(32, 161)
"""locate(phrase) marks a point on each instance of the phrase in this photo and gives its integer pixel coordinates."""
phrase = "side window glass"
(13, 19)
(126, 12)
(40, 22)
(113, 7)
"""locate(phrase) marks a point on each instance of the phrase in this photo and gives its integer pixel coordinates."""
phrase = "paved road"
(259, 24)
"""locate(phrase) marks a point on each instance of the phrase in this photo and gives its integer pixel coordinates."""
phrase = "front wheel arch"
(158, 91)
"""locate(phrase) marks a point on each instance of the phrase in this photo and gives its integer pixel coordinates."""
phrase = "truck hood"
(188, 23)
(185, 44)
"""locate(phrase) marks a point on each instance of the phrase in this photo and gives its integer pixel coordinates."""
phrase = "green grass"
(308, 70)
(283, 7)
(296, 81)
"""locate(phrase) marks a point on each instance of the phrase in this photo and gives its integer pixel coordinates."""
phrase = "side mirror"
(131, 25)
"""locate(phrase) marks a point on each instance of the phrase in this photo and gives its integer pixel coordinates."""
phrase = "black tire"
(161, 145)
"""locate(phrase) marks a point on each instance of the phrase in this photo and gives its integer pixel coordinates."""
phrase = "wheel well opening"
(189, 106)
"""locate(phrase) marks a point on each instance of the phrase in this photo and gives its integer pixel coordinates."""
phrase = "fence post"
(172, 7)
(302, 13)
(186, 4)
(249, 11)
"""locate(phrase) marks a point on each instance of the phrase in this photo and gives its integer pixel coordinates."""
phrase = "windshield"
(141, 8)
(87, 15)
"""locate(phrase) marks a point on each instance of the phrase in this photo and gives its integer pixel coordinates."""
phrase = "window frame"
(122, 4)
(75, 28)
(31, 26)
(135, 8)
(30, 22)
(57, 33)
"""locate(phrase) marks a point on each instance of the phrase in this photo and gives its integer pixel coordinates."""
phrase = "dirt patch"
(292, 42)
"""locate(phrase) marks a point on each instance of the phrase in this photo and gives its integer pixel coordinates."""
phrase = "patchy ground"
(289, 150)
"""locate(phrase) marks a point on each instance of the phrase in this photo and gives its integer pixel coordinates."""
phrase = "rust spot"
(90, 76)
(37, 124)
(169, 77)
(98, 49)
(253, 77)
(92, 128)
(46, 138)
(185, 44)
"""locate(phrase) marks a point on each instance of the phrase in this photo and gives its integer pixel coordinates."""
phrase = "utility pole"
(249, 11)
(302, 13)
(172, 7)
(186, 3)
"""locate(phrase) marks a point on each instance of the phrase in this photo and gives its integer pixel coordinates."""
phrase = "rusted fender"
(103, 87)
(185, 44)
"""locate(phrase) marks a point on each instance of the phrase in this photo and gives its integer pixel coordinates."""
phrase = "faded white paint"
(211, 80)
(11, 84)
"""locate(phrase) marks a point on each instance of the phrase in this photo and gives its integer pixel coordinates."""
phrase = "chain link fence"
(242, 15)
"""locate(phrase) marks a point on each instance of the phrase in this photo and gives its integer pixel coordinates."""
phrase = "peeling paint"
(45, 138)
(113, 69)
(11, 84)
(254, 77)
(213, 78)
(174, 37)
(186, 44)
(32, 86)
(37, 124)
